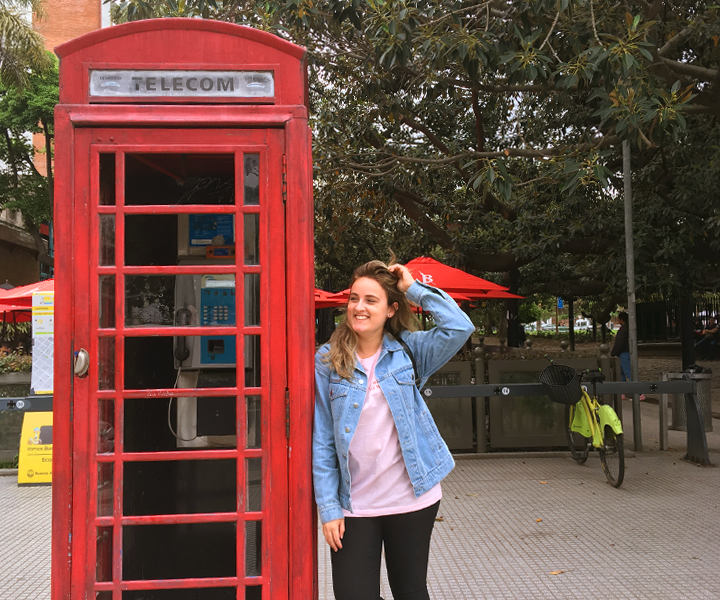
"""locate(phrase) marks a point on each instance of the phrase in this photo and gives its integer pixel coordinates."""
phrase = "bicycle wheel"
(579, 445)
(612, 457)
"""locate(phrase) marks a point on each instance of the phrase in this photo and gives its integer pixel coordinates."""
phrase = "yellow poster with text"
(35, 460)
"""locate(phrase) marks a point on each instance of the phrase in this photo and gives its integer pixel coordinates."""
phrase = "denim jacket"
(338, 403)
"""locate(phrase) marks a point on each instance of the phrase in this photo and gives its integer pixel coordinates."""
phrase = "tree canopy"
(488, 133)
(22, 49)
(24, 112)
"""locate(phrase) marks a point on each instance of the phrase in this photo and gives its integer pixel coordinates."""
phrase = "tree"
(490, 129)
(21, 48)
(22, 186)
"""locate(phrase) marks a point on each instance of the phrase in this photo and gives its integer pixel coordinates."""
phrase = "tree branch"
(486, 261)
(592, 18)
(552, 27)
(409, 203)
(421, 127)
(479, 129)
(696, 71)
(675, 40)
(653, 10)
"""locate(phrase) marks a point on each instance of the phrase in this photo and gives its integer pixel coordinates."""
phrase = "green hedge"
(13, 362)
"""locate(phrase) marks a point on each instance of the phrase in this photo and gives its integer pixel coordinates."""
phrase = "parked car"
(583, 324)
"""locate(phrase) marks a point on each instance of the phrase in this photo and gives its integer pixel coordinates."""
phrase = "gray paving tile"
(655, 538)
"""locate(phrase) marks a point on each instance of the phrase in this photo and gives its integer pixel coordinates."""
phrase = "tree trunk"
(49, 163)
(512, 308)
(687, 335)
(571, 323)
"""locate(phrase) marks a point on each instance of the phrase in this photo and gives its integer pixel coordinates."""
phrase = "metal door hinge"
(287, 413)
(284, 179)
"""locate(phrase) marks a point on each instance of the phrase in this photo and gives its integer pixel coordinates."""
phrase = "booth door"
(179, 427)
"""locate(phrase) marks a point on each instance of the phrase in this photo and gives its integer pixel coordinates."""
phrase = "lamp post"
(630, 270)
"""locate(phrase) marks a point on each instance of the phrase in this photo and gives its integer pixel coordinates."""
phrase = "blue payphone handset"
(206, 301)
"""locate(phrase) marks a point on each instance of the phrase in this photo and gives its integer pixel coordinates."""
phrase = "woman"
(378, 457)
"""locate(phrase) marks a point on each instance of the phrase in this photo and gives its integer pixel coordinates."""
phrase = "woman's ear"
(392, 309)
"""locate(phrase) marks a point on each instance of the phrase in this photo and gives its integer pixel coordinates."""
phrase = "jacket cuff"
(417, 290)
(330, 513)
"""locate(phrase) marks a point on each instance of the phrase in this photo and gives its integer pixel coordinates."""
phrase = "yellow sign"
(35, 460)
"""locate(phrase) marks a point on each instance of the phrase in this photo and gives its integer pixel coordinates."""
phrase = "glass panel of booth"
(176, 179)
(188, 459)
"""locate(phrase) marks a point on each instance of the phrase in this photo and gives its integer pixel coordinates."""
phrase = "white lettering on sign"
(130, 84)
(426, 278)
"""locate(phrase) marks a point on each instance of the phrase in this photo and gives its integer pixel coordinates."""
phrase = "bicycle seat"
(593, 376)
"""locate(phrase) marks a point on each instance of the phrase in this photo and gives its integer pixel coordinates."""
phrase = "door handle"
(82, 362)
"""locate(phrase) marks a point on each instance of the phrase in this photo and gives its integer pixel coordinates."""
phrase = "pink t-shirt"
(380, 484)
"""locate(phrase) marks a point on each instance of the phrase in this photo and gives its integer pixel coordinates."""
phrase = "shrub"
(14, 362)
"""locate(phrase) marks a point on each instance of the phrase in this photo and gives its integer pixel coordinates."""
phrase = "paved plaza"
(511, 527)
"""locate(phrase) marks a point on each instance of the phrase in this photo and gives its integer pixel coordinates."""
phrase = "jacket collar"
(389, 344)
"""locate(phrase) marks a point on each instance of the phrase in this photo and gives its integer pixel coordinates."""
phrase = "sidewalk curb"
(8, 472)
(540, 454)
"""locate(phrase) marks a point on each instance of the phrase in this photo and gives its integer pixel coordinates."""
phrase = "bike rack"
(28, 403)
(697, 448)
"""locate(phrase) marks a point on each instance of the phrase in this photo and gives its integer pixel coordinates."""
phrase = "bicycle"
(588, 424)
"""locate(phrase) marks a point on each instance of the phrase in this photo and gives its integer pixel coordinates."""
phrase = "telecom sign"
(134, 83)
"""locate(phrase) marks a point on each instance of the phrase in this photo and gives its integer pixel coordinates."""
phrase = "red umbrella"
(12, 313)
(342, 297)
(449, 279)
(495, 294)
(325, 299)
(21, 297)
(458, 284)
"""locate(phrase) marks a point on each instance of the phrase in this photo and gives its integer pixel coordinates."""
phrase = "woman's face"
(368, 308)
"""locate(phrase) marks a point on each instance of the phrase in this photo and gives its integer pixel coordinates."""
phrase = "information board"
(43, 335)
(35, 458)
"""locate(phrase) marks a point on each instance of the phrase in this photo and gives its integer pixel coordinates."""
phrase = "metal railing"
(697, 448)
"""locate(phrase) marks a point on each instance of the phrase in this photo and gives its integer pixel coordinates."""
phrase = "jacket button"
(344, 455)
(355, 405)
(347, 430)
(361, 382)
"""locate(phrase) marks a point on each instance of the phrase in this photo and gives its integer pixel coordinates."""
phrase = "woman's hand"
(405, 278)
(334, 532)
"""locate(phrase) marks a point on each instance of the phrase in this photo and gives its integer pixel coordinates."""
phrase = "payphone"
(185, 270)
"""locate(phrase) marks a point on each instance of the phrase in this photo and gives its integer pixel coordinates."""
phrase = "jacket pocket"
(338, 395)
(405, 380)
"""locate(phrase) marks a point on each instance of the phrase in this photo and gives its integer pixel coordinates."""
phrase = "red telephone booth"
(184, 327)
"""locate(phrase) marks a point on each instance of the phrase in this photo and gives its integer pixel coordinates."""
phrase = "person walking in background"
(621, 349)
(706, 346)
(698, 328)
(378, 457)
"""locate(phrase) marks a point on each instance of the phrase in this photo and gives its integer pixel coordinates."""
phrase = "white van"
(583, 324)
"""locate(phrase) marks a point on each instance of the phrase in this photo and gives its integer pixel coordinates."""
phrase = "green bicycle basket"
(562, 384)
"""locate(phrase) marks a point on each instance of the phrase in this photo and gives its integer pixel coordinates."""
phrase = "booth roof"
(109, 33)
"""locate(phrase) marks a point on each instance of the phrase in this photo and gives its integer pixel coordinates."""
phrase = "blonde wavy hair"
(343, 342)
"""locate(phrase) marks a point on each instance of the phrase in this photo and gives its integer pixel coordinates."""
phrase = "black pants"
(406, 537)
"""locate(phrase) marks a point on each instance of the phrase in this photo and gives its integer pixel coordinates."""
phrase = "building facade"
(63, 21)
